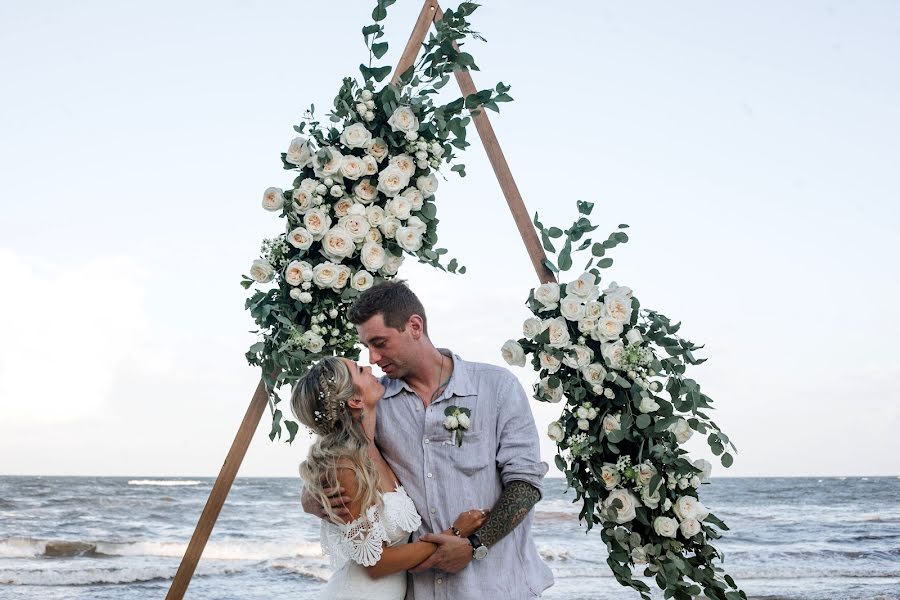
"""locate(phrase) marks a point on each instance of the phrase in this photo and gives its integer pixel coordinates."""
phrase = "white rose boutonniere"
(456, 421)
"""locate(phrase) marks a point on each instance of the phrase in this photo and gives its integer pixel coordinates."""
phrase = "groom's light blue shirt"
(444, 480)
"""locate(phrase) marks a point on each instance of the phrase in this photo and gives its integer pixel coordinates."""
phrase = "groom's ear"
(416, 326)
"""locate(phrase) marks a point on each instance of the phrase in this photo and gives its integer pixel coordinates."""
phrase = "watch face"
(480, 552)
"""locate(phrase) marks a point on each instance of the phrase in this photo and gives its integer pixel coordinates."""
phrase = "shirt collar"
(460, 384)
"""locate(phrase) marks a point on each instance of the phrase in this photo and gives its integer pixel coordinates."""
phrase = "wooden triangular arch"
(431, 13)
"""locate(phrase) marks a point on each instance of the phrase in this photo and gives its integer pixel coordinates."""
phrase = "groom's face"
(389, 348)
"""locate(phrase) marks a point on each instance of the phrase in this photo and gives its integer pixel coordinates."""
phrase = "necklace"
(441, 386)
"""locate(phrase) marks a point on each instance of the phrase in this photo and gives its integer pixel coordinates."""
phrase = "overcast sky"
(752, 147)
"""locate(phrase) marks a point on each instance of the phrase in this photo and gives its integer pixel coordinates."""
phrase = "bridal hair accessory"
(329, 404)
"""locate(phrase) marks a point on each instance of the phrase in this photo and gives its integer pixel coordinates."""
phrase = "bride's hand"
(471, 521)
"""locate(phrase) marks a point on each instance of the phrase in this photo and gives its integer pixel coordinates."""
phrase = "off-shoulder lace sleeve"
(360, 541)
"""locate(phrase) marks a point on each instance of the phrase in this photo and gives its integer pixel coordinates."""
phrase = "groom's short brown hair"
(393, 300)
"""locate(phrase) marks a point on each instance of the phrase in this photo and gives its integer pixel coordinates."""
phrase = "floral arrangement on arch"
(619, 370)
(363, 199)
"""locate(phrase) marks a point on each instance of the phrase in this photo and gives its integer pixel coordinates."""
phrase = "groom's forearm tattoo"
(511, 508)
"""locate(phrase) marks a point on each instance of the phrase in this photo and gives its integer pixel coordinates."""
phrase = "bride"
(336, 399)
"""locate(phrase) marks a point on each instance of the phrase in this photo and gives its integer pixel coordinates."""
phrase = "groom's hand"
(337, 500)
(452, 555)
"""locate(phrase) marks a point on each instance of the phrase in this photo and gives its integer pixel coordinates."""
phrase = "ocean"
(115, 538)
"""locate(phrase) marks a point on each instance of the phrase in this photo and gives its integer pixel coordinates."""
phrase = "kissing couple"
(424, 480)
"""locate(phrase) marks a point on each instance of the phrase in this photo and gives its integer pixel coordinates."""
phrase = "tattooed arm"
(515, 501)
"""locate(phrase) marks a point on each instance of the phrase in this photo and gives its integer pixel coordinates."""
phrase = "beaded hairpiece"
(329, 404)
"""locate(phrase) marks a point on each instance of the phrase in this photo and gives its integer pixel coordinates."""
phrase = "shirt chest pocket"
(474, 455)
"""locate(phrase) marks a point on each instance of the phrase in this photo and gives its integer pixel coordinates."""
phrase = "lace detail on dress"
(362, 540)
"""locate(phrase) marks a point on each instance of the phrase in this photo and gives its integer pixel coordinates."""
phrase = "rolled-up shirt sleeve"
(518, 446)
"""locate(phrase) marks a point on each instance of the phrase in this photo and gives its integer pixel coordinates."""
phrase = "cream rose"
(293, 274)
(302, 200)
(589, 327)
(375, 215)
(362, 280)
(615, 289)
(609, 475)
(391, 180)
(377, 149)
(688, 507)
(342, 207)
(343, 277)
(650, 499)
(513, 353)
(645, 473)
(316, 222)
(356, 136)
(337, 244)
(372, 256)
(417, 224)
(682, 430)
(365, 192)
(300, 238)
(548, 295)
(556, 432)
(609, 330)
(261, 271)
(332, 162)
(273, 199)
(392, 265)
(617, 307)
(390, 226)
(634, 336)
(705, 468)
(648, 405)
(405, 163)
(593, 310)
(409, 239)
(549, 393)
(427, 184)
(352, 167)
(416, 200)
(325, 274)
(298, 152)
(356, 225)
(612, 354)
(689, 528)
(398, 207)
(583, 286)
(665, 526)
(549, 362)
(559, 332)
(594, 373)
(403, 119)
(612, 423)
(578, 356)
(532, 327)
(629, 503)
(370, 164)
(572, 308)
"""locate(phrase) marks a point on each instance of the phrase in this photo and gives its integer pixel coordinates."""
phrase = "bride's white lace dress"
(353, 546)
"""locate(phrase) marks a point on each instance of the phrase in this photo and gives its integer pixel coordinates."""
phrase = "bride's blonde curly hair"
(319, 401)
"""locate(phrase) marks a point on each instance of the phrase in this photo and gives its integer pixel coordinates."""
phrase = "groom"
(498, 465)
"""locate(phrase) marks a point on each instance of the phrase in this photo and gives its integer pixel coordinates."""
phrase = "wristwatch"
(479, 550)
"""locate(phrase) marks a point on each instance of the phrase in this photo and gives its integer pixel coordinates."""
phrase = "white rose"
(372, 256)
(342, 207)
(405, 163)
(593, 310)
(612, 423)
(629, 503)
(343, 277)
(513, 353)
(391, 180)
(325, 274)
(331, 166)
(409, 239)
(547, 294)
(300, 238)
(336, 191)
(609, 475)
(555, 431)
(412, 136)
(549, 393)
(609, 330)
(364, 191)
(648, 405)
(370, 164)
(615, 289)
(645, 473)
(302, 200)
(450, 422)
(578, 357)
(361, 108)
(572, 308)
(309, 185)
(293, 274)
(582, 412)
(427, 184)
(705, 468)
(650, 500)
(316, 223)
(548, 362)
(417, 224)
(421, 155)
(314, 343)
(688, 507)
(634, 336)
(594, 373)
(298, 152)
(392, 265)
(353, 167)
(667, 504)
(377, 149)
(690, 527)
(375, 215)
(612, 354)
(639, 555)
(261, 271)
(390, 226)
(532, 327)
(592, 413)
(695, 482)
(295, 293)
(337, 244)
(356, 225)
(437, 149)
(273, 199)
(374, 236)
(559, 332)
(665, 526)
(416, 200)
(403, 119)
(398, 207)
(362, 280)
(609, 393)
(356, 136)
(617, 307)
(366, 95)
(588, 326)
(682, 430)
(583, 424)
(583, 286)
(463, 420)
(684, 483)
